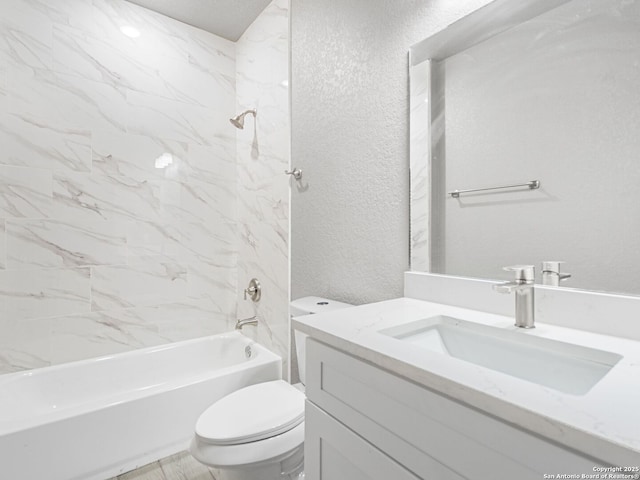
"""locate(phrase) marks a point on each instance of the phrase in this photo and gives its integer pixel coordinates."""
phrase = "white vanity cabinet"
(335, 452)
(363, 422)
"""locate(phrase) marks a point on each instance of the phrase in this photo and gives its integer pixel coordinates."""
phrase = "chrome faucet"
(551, 273)
(522, 286)
(247, 321)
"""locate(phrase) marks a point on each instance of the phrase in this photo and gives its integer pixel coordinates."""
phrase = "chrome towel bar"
(533, 184)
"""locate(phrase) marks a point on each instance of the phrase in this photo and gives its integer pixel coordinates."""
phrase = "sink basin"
(562, 366)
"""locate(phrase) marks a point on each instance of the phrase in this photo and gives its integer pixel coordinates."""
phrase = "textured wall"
(262, 60)
(350, 135)
(100, 251)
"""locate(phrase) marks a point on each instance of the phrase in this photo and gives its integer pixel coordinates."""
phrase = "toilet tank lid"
(307, 305)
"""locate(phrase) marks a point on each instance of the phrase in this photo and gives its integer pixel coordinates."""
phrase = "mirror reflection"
(553, 99)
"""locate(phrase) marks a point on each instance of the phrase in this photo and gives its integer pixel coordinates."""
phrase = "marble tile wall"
(102, 248)
(262, 64)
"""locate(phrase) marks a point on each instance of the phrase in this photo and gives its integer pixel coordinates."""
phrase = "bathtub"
(97, 418)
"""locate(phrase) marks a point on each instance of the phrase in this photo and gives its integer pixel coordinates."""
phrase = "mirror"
(547, 90)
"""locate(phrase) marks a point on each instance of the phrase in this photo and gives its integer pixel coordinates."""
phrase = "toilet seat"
(270, 450)
(252, 414)
(256, 424)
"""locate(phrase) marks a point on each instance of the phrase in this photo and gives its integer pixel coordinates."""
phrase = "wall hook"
(296, 172)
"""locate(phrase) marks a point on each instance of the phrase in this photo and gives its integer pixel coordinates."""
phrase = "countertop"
(603, 423)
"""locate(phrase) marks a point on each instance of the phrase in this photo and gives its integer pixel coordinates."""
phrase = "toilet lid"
(252, 413)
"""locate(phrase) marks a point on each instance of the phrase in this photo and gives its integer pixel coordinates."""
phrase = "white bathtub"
(95, 419)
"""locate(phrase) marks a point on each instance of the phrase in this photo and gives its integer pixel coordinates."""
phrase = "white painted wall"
(350, 136)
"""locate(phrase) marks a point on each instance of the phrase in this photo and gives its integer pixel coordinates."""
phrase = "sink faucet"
(247, 321)
(522, 286)
(551, 273)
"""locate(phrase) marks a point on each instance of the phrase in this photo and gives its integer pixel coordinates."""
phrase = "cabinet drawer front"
(402, 418)
(333, 452)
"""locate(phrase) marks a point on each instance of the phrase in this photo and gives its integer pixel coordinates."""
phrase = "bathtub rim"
(264, 356)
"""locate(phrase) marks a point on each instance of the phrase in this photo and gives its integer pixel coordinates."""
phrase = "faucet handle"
(551, 266)
(254, 290)
(524, 273)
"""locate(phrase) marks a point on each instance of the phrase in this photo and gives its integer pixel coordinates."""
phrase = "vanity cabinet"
(334, 452)
(363, 422)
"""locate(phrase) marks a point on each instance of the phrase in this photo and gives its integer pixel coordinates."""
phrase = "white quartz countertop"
(603, 423)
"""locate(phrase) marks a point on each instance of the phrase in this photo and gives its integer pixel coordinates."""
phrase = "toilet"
(257, 432)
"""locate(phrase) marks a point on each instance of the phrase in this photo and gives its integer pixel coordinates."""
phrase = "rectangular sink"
(562, 366)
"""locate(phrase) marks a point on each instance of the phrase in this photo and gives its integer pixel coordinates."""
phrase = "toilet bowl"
(257, 432)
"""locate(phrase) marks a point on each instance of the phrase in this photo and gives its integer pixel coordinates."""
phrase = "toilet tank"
(308, 306)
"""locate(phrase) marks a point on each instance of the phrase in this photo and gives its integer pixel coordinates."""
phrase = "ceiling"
(225, 18)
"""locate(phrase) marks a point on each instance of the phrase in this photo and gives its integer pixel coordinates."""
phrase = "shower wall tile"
(118, 195)
(157, 116)
(25, 192)
(172, 39)
(66, 99)
(28, 294)
(134, 156)
(15, 358)
(212, 54)
(3, 244)
(189, 83)
(78, 53)
(159, 33)
(216, 283)
(210, 203)
(4, 102)
(143, 284)
(117, 198)
(74, 13)
(215, 163)
(263, 189)
(75, 337)
(222, 252)
(212, 244)
(157, 30)
(150, 239)
(33, 143)
(25, 34)
(53, 243)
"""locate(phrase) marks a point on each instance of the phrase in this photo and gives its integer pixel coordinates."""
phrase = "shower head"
(238, 121)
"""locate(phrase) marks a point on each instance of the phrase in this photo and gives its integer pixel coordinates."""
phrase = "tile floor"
(180, 466)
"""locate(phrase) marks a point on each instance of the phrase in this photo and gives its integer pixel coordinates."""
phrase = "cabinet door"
(333, 452)
(423, 430)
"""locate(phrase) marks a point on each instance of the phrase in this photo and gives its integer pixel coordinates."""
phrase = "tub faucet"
(551, 273)
(247, 321)
(522, 286)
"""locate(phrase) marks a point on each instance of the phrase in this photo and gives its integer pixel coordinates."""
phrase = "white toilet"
(257, 432)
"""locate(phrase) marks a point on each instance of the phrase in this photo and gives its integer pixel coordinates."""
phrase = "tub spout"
(247, 321)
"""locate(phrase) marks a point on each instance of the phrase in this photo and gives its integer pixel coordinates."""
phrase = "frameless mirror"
(546, 91)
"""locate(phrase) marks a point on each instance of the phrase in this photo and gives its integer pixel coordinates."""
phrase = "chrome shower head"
(238, 121)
